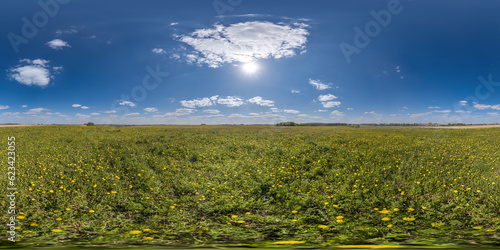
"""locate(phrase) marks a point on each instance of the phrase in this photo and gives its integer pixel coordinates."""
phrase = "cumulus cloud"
(322, 110)
(463, 112)
(11, 113)
(211, 111)
(35, 111)
(84, 107)
(295, 91)
(259, 101)
(244, 42)
(159, 51)
(291, 111)
(337, 114)
(4, 107)
(151, 110)
(319, 85)
(481, 106)
(57, 44)
(325, 98)
(330, 104)
(496, 107)
(204, 102)
(127, 103)
(32, 72)
(181, 112)
(76, 105)
(230, 101)
(463, 103)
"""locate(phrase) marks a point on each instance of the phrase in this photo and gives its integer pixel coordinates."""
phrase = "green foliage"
(210, 185)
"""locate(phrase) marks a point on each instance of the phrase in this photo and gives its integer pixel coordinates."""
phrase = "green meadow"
(256, 186)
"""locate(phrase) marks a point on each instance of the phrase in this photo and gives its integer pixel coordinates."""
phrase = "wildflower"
(147, 238)
(424, 207)
(234, 216)
(91, 211)
(411, 209)
(396, 209)
(340, 221)
(386, 218)
(28, 231)
(477, 228)
(59, 219)
(390, 225)
(135, 232)
(146, 230)
(20, 217)
(56, 230)
(33, 224)
(240, 221)
(340, 217)
(322, 226)
(294, 212)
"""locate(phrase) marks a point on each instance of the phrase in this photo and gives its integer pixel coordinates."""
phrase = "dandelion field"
(254, 185)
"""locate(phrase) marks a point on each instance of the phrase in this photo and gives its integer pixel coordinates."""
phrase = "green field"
(254, 186)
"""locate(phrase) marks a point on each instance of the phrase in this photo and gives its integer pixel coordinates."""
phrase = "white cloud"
(4, 106)
(82, 116)
(173, 24)
(325, 98)
(151, 110)
(231, 101)
(110, 112)
(211, 111)
(435, 107)
(76, 105)
(370, 113)
(11, 114)
(57, 44)
(295, 91)
(496, 107)
(330, 104)
(463, 103)
(85, 107)
(494, 114)
(181, 112)
(338, 114)
(95, 113)
(127, 103)
(204, 102)
(481, 106)
(322, 110)
(24, 106)
(420, 114)
(35, 111)
(442, 111)
(275, 110)
(259, 101)
(237, 116)
(463, 112)
(319, 85)
(66, 31)
(32, 72)
(349, 108)
(244, 42)
(291, 111)
(159, 51)
(133, 114)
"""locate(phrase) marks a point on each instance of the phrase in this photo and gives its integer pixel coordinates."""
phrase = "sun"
(250, 68)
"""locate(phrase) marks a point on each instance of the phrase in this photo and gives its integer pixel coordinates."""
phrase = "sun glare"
(250, 68)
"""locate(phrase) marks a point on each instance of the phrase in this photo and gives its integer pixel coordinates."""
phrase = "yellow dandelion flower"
(28, 231)
(411, 209)
(67, 209)
(146, 230)
(59, 219)
(477, 228)
(390, 225)
(294, 220)
(340, 221)
(396, 209)
(91, 211)
(56, 230)
(424, 207)
(323, 226)
(147, 238)
(335, 205)
(135, 232)
(33, 224)
(248, 213)
(240, 221)
(20, 217)
(340, 217)
(294, 212)
(289, 242)
(234, 216)
(114, 192)
(386, 218)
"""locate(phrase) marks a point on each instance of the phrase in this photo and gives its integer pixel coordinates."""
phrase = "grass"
(254, 186)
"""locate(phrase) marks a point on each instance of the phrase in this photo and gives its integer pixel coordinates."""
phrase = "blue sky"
(251, 62)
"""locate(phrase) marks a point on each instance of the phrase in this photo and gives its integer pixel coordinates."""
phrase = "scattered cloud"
(110, 112)
(337, 114)
(57, 44)
(319, 85)
(35, 111)
(4, 106)
(244, 42)
(295, 91)
(322, 110)
(151, 110)
(32, 72)
(462, 103)
(496, 107)
(442, 111)
(211, 111)
(330, 104)
(259, 101)
(291, 111)
(370, 113)
(159, 51)
(127, 103)
(481, 106)
(95, 114)
(76, 105)
(494, 114)
(24, 106)
(173, 24)
(181, 112)
(231, 101)
(349, 108)
(204, 102)
(325, 98)
(82, 116)
(11, 113)
(433, 107)
(66, 31)
(133, 114)
(463, 112)
(85, 107)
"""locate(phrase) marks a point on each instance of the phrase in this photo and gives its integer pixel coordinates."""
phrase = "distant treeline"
(372, 124)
